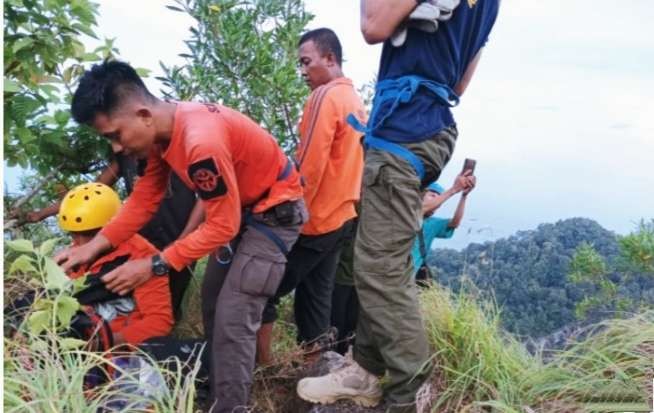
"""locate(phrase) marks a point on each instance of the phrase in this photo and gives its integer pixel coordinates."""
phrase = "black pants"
(345, 310)
(178, 282)
(310, 271)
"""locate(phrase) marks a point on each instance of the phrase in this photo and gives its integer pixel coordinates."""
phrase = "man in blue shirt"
(435, 227)
(410, 137)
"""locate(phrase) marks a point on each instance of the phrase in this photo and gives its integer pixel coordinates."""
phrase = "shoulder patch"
(206, 177)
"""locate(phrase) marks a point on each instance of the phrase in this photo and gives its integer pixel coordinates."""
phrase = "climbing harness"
(395, 92)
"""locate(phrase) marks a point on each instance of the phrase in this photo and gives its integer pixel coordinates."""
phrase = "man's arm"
(142, 204)
(379, 18)
(108, 176)
(138, 210)
(194, 220)
(460, 208)
(458, 213)
(222, 208)
(460, 184)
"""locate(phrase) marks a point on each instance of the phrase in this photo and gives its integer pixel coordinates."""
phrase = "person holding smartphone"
(436, 227)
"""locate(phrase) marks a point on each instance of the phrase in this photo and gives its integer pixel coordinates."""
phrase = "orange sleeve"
(222, 205)
(317, 145)
(154, 304)
(142, 204)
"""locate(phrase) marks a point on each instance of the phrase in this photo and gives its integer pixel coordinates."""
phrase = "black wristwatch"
(159, 266)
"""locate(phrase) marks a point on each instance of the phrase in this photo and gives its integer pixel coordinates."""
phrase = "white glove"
(425, 17)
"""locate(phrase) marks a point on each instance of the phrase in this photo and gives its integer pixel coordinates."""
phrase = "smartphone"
(469, 164)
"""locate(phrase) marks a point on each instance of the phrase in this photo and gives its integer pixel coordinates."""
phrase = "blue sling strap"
(399, 91)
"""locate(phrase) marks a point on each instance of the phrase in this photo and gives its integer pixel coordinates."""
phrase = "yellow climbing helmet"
(88, 206)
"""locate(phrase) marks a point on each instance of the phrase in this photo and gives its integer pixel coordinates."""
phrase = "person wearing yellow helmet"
(145, 312)
(87, 207)
(178, 214)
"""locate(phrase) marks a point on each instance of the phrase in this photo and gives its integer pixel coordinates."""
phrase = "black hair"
(103, 88)
(326, 41)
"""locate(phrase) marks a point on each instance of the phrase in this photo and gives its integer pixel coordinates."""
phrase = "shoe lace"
(350, 368)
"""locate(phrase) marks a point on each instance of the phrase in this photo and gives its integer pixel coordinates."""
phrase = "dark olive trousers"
(390, 334)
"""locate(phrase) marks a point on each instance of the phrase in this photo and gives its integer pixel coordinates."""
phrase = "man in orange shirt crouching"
(250, 192)
(330, 160)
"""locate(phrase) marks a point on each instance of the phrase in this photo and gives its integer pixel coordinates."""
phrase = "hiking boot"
(350, 382)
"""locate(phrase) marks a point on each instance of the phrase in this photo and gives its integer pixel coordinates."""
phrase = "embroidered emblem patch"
(207, 179)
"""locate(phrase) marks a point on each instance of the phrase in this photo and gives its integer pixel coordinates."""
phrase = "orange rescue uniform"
(228, 160)
(330, 156)
(153, 313)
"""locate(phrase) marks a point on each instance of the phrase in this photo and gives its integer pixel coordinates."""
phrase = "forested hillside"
(528, 273)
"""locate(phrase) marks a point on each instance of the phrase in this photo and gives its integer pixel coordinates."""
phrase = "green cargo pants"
(390, 334)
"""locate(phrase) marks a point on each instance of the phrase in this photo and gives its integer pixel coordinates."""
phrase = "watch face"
(158, 266)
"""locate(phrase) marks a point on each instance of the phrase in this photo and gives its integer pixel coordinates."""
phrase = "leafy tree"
(243, 54)
(43, 59)
(610, 284)
(527, 273)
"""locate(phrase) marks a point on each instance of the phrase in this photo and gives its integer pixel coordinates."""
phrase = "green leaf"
(20, 245)
(38, 321)
(22, 43)
(66, 309)
(62, 117)
(43, 304)
(142, 72)
(87, 30)
(55, 276)
(90, 57)
(48, 246)
(71, 343)
(79, 284)
(11, 86)
(22, 264)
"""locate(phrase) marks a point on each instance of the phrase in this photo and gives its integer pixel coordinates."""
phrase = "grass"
(41, 376)
(480, 367)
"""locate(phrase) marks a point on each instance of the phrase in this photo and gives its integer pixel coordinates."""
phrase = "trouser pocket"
(259, 275)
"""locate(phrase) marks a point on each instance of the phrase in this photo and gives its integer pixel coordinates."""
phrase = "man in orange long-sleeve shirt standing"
(252, 198)
(330, 159)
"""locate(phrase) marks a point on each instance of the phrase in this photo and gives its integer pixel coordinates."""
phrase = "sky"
(558, 115)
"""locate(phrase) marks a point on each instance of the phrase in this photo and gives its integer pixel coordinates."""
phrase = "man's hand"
(84, 254)
(33, 216)
(472, 182)
(128, 276)
(462, 182)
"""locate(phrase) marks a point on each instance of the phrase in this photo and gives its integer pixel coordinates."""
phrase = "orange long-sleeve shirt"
(153, 313)
(229, 160)
(330, 156)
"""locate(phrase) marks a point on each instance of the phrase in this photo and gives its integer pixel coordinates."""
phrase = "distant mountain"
(527, 272)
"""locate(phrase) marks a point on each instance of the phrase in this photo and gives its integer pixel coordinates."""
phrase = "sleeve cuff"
(174, 259)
